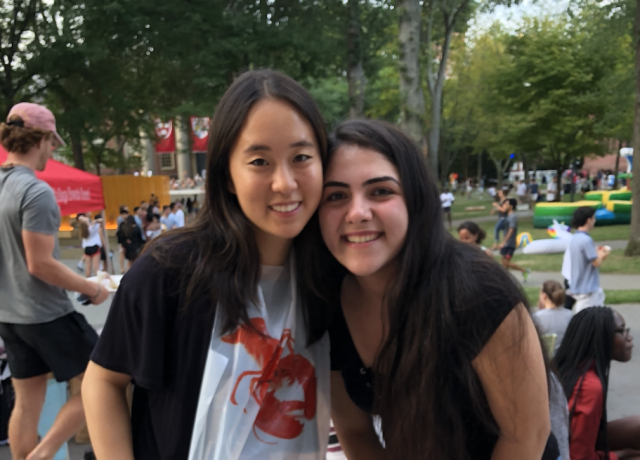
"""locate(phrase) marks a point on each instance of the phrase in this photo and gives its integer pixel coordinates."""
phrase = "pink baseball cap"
(36, 116)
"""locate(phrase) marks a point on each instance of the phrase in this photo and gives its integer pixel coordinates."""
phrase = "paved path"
(612, 282)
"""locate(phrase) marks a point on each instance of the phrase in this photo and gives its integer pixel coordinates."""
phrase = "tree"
(633, 248)
(18, 21)
(552, 83)
(412, 97)
(355, 71)
(454, 15)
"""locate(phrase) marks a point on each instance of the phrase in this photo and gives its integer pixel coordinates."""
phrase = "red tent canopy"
(76, 191)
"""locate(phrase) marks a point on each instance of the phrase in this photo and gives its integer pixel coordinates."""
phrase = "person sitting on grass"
(470, 232)
(508, 246)
(552, 318)
(594, 337)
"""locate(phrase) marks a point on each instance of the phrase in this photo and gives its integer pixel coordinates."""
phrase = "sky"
(511, 17)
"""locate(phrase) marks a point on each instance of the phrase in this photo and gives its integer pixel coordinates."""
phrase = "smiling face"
(363, 214)
(276, 170)
(622, 340)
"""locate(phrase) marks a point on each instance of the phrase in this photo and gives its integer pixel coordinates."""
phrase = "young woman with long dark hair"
(433, 336)
(227, 351)
(130, 238)
(594, 337)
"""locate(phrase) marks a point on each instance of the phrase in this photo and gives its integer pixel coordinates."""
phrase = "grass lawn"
(616, 263)
(525, 224)
(461, 202)
(611, 297)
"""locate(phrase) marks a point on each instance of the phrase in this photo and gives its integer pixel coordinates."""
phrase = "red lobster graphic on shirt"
(277, 418)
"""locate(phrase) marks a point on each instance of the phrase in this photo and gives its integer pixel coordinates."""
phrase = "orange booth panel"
(130, 191)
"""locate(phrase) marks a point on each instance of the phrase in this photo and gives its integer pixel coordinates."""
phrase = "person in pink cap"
(41, 330)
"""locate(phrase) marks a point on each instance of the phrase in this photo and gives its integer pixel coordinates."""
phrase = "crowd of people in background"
(582, 337)
(186, 182)
(533, 190)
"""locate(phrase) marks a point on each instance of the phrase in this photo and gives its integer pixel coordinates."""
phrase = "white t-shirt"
(265, 397)
(492, 191)
(552, 188)
(446, 199)
(179, 215)
(522, 189)
(94, 236)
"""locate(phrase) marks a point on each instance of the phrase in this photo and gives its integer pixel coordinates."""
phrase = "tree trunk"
(501, 167)
(559, 171)
(76, 148)
(479, 167)
(412, 97)
(633, 248)
(355, 72)
(615, 174)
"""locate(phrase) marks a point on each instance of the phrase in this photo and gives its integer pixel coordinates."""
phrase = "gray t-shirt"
(553, 321)
(27, 203)
(511, 222)
(585, 278)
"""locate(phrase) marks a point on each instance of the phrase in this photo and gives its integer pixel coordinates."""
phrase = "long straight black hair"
(224, 263)
(588, 342)
(424, 367)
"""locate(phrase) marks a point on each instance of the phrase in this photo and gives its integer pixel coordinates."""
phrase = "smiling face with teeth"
(363, 213)
(275, 172)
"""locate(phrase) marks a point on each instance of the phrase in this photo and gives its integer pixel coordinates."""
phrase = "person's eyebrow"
(380, 179)
(261, 147)
(302, 143)
(257, 148)
(334, 183)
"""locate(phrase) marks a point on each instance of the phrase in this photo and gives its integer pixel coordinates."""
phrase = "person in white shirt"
(552, 189)
(91, 243)
(178, 213)
(447, 199)
(521, 192)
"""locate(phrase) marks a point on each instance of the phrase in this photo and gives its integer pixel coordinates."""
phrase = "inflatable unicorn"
(559, 242)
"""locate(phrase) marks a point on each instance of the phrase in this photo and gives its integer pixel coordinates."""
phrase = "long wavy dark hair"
(223, 260)
(423, 372)
(588, 342)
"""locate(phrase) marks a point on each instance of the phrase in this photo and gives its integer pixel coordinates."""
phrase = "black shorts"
(507, 252)
(447, 210)
(92, 250)
(62, 346)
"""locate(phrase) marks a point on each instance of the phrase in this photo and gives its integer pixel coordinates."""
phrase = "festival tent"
(76, 191)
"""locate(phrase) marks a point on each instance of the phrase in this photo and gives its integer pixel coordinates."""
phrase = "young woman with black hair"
(130, 238)
(432, 336)
(595, 336)
(472, 233)
(228, 353)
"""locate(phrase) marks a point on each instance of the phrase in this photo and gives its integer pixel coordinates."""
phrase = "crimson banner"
(165, 137)
(199, 134)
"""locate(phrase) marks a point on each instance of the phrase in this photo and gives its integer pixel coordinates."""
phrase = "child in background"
(508, 246)
(552, 318)
(470, 232)
(91, 243)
